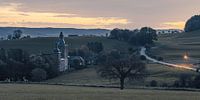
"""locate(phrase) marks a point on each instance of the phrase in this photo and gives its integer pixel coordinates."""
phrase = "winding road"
(143, 52)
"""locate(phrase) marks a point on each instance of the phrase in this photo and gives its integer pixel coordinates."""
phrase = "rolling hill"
(161, 74)
(173, 47)
(52, 32)
(47, 44)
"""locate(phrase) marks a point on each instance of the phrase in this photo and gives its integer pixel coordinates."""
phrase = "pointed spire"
(61, 35)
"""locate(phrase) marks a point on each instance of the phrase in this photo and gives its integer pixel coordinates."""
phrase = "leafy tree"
(120, 34)
(17, 34)
(38, 74)
(146, 35)
(51, 66)
(3, 70)
(16, 64)
(38, 62)
(193, 24)
(153, 83)
(196, 81)
(2, 54)
(9, 37)
(95, 47)
(122, 69)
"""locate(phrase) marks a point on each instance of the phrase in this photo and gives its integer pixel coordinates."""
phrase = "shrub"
(153, 83)
(196, 81)
(164, 85)
(38, 74)
(142, 57)
(160, 58)
(176, 84)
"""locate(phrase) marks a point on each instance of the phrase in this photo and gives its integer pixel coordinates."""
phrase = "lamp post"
(186, 58)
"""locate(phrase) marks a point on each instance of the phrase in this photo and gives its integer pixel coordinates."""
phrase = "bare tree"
(122, 69)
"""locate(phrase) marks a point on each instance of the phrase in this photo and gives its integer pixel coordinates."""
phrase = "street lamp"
(185, 56)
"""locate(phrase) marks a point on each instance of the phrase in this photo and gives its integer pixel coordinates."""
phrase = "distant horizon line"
(88, 28)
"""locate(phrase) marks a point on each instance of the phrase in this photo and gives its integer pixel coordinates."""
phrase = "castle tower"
(62, 48)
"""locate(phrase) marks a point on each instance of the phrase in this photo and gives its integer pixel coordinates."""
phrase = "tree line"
(17, 65)
(17, 34)
(142, 37)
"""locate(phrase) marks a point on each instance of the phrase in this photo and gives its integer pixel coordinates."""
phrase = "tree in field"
(2, 54)
(95, 47)
(193, 24)
(142, 37)
(123, 69)
(146, 36)
(120, 34)
(17, 34)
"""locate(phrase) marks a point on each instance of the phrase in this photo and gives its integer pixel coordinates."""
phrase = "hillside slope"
(47, 44)
(173, 47)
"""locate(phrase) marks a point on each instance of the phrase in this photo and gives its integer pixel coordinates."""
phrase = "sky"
(108, 14)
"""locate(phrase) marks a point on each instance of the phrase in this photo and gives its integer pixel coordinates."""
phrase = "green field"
(52, 92)
(47, 44)
(173, 47)
(160, 73)
(88, 76)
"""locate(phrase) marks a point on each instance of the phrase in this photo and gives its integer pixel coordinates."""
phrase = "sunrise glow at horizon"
(108, 14)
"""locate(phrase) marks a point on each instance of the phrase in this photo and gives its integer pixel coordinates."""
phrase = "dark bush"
(153, 83)
(176, 84)
(142, 57)
(196, 82)
(164, 85)
(160, 58)
(38, 74)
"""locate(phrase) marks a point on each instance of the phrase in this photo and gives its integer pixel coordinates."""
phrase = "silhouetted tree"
(17, 34)
(9, 37)
(196, 81)
(96, 47)
(153, 83)
(38, 74)
(122, 69)
(193, 24)
(146, 36)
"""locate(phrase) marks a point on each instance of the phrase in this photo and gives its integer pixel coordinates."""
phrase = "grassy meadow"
(173, 47)
(160, 73)
(52, 92)
(47, 44)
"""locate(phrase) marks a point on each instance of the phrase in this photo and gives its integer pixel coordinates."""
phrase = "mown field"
(161, 74)
(52, 92)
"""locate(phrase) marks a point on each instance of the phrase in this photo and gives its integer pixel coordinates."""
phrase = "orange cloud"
(174, 25)
(11, 17)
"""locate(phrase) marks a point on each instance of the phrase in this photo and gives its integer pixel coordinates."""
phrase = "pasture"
(161, 74)
(173, 47)
(47, 44)
(54, 92)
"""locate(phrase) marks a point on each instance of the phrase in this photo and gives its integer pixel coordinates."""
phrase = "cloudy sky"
(108, 14)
